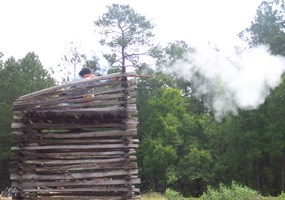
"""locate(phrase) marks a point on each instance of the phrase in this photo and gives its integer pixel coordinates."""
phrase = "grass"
(153, 196)
(149, 196)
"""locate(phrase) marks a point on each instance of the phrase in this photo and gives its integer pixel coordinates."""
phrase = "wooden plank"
(75, 161)
(85, 197)
(17, 133)
(81, 141)
(18, 117)
(73, 126)
(76, 190)
(94, 182)
(72, 176)
(79, 167)
(17, 125)
(66, 147)
(77, 155)
(76, 111)
(86, 104)
(93, 134)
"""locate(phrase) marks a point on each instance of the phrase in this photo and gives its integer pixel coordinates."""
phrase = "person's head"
(85, 72)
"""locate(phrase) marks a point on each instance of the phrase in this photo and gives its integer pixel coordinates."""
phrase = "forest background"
(187, 142)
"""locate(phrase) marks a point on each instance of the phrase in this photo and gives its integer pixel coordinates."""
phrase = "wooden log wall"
(77, 141)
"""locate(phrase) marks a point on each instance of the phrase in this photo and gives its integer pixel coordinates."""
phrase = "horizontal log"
(79, 154)
(18, 117)
(85, 197)
(83, 117)
(21, 169)
(93, 134)
(110, 102)
(81, 141)
(17, 133)
(74, 126)
(70, 157)
(18, 125)
(77, 147)
(78, 135)
(75, 167)
(129, 123)
(94, 182)
(75, 161)
(75, 190)
(76, 111)
(72, 176)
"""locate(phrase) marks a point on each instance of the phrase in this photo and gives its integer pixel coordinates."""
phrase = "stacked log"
(77, 141)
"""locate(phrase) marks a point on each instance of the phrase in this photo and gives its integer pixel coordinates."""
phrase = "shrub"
(152, 196)
(172, 195)
(234, 192)
(281, 196)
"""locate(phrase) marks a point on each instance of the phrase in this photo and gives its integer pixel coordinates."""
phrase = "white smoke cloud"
(231, 79)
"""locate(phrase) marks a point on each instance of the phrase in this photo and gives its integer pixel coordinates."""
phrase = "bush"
(172, 195)
(281, 196)
(234, 192)
(152, 196)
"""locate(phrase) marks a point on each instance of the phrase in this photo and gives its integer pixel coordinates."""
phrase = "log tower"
(77, 141)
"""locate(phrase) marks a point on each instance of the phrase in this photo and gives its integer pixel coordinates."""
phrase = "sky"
(48, 26)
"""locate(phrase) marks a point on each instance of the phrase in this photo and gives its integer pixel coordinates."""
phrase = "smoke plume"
(231, 79)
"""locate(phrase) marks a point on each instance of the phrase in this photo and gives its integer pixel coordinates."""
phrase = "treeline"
(182, 146)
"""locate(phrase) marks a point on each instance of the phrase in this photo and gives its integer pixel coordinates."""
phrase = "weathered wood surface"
(76, 141)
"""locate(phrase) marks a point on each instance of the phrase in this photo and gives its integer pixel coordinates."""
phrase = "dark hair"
(85, 71)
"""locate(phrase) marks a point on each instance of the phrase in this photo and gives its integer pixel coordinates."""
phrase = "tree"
(74, 57)
(1, 61)
(168, 56)
(268, 27)
(127, 33)
(170, 136)
(275, 136)
(23, 76)
(169, 128)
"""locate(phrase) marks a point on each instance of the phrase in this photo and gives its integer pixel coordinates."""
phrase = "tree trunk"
(283, 174)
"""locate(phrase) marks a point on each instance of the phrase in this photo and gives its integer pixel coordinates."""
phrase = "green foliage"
(195, 165)
(233, 192)
(152, 196)
(199, 151)
(170, 153)
(244, 193)
(23, 76)
(281, 196)
(172, 195)
(268, 27)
